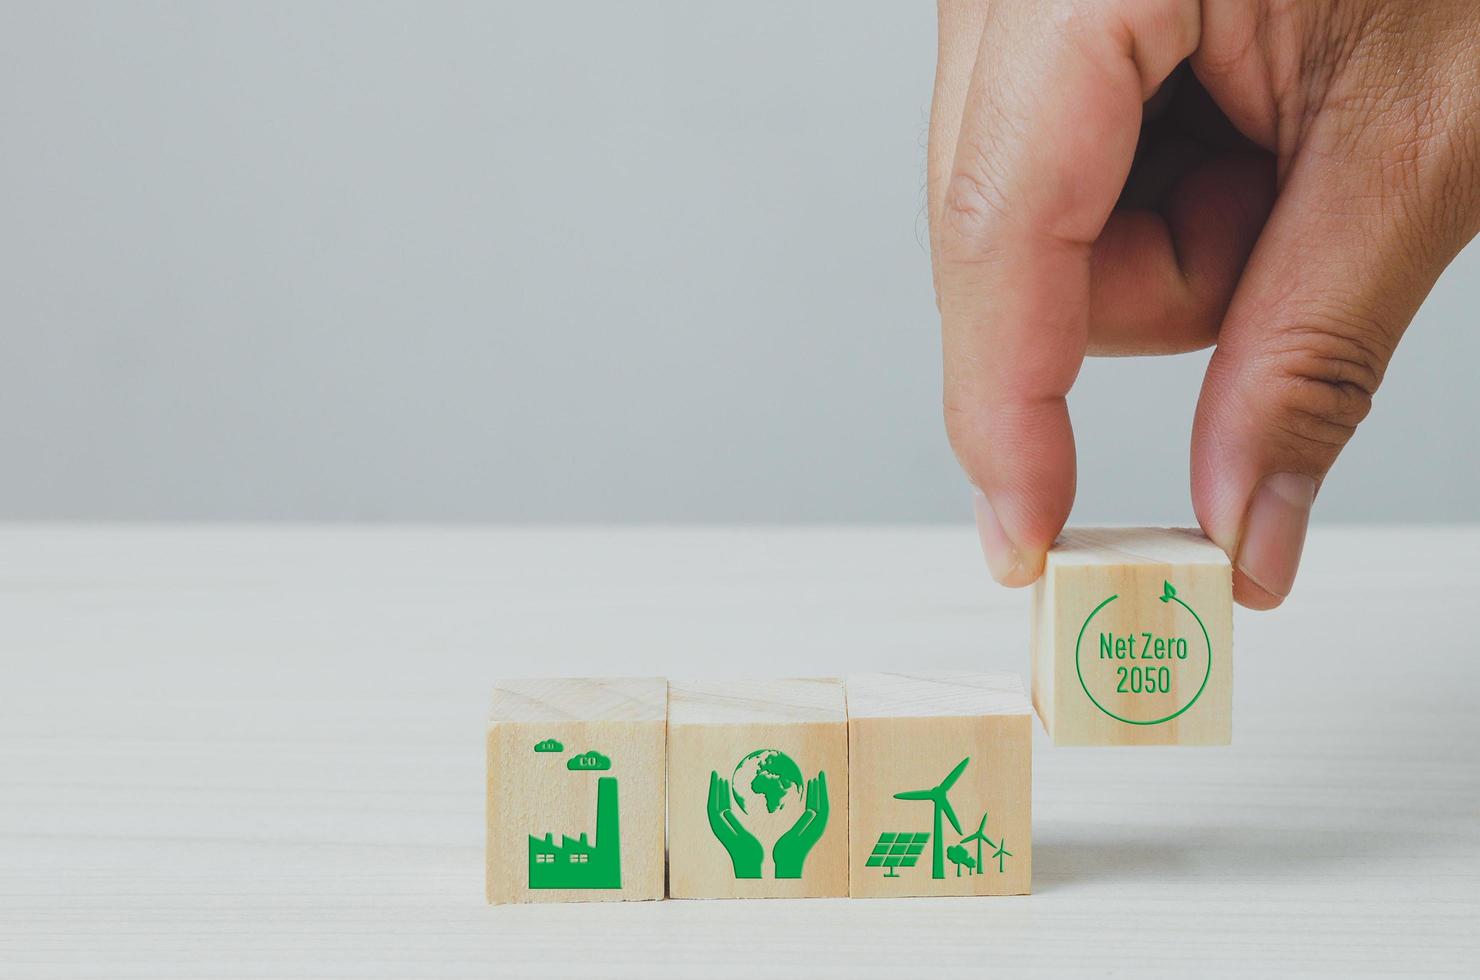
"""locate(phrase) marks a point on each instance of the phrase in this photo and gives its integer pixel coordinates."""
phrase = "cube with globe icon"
(757, 789)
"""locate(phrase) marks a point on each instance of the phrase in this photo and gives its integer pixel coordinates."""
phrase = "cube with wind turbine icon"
(923, 749)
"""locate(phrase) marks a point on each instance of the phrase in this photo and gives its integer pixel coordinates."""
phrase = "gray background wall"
(528, 261)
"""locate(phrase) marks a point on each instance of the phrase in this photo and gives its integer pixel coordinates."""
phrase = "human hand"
(791, 848)
(1292, 198)
(744, 850)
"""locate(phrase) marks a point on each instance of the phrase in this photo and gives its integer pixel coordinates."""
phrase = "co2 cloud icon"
(589, 761)
(548, 745)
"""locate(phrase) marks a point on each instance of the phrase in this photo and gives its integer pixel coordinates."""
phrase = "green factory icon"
(578, 862)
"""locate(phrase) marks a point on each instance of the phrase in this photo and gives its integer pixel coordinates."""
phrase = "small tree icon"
(960, 858)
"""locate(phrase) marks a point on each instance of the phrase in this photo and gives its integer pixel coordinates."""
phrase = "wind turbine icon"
(937, 796)
(979, 837)
(1000, 853)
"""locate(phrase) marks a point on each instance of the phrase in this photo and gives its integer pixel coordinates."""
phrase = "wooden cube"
(575, 790)
(941, 783)
(1133, 639)
(757, 789)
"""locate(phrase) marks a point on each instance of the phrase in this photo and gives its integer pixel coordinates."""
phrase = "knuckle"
(1329, 369)
(1319, 414)
(973, 207)
(976, 203)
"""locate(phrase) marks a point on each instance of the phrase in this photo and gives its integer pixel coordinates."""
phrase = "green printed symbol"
(773, 777)
(960, 856)
(770, 774)
(1001, 854)
(791, 850)
(903, 850)
(576, 862)
(999, 850)
(1153, 673)
(745, 851)
(895, 851)
(937, 796)
(980, 837)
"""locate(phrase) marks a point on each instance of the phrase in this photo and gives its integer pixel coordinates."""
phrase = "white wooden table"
(258, 752)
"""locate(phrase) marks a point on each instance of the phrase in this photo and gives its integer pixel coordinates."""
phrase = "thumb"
(1362, 228)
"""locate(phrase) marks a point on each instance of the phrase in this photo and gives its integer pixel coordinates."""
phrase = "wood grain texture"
(618, 726)
(908, 733)
(712, 727)
(1118, 659)
(257, 752)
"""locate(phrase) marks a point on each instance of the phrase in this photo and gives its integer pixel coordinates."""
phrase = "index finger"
(1048, 130)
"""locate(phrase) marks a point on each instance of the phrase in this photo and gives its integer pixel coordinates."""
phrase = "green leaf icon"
(1168, 593)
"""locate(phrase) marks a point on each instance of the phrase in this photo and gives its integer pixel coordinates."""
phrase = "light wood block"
(757, 789)
(575, 790)
(964, 740)
(1132, 639)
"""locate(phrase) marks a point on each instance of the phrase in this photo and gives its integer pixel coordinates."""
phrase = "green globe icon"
(771, 775)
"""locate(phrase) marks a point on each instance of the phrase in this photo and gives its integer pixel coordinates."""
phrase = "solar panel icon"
(895, 851)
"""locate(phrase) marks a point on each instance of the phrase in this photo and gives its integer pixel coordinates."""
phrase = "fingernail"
(1274, 531)
(1002, 556)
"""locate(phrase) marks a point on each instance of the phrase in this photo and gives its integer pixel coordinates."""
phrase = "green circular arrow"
(1172, 596)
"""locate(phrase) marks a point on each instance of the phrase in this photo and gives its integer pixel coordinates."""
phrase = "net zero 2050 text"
(1143, 678)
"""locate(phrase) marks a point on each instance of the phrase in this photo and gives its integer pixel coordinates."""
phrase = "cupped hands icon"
(792, 848)
(744, 850)
(789, 854)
